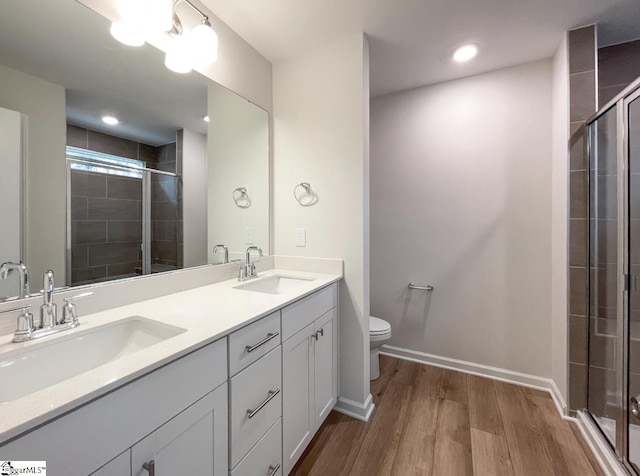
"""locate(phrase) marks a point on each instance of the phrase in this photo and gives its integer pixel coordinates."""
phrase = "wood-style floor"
(431, 421)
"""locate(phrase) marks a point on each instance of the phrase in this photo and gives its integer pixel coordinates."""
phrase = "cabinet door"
(325, 366)
(297, 396)
(118, 466)
(193, 442)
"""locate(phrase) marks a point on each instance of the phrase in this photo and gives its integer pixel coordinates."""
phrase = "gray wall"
(44, 104)
(461, 199)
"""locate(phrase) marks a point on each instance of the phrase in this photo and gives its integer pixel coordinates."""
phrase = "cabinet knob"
(150, 467)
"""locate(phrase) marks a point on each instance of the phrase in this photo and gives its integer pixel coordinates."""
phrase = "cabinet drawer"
(252, 342)
(265, 458)
(300, 314)
(256, 388)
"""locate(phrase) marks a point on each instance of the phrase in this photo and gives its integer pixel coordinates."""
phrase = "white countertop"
(207, 313)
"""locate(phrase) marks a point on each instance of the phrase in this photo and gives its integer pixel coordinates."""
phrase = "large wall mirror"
(185, 168)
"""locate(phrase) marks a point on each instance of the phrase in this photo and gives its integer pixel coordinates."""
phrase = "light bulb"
(127, 33)
(178, 58)
(112, 121)
(203, 45)
(465, 53)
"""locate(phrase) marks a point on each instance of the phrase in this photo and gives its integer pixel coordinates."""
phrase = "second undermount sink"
(274, 284)
(33, 368)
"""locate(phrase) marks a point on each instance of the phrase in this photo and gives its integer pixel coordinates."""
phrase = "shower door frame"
(621, 105)
(146, 211)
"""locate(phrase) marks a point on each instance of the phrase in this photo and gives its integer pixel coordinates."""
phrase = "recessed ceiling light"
(465, 53)
(112, 121)
(205, 118)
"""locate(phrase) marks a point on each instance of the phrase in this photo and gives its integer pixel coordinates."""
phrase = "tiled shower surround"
(106, 215)
(615, 67)
(582, 91)
(106, 226)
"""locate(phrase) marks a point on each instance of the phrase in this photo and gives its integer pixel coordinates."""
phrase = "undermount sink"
(274, 284)
(28, 370)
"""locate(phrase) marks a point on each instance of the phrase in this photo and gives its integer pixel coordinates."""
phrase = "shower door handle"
(634, 406)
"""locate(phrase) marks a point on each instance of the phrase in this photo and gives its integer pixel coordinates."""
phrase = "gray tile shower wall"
(106, 226)
(99, 142)
(582, 89)
(166, 211)
(106, 210)
(618, 66)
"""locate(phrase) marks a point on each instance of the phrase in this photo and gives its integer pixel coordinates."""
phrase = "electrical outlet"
(248, 236)
(301, 237)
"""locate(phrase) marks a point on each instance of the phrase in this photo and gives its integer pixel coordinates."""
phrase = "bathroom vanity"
(227, 378)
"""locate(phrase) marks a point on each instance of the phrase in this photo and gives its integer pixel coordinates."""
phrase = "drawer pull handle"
(150, 467)
(321, 332)
(270, 335)
(272, 394)
(273, 469)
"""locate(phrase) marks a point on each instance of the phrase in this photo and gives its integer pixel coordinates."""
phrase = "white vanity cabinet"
(157, 416)
(309, 370)
(194, 442)
(255, 403)
(247, 404)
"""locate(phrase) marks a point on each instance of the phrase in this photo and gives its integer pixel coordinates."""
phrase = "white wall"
(11, 187)
(194, 198)
(44, 104)
(461, 199)
(560, 217)
(320, 132)
(238, 151)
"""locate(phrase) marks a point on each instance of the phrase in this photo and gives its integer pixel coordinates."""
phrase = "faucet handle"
(25, 323)
(69, 309)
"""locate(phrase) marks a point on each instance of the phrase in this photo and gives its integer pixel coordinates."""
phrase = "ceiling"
(65, 43)
(411, 40)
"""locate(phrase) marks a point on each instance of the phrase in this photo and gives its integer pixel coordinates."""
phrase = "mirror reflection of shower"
(124, 207)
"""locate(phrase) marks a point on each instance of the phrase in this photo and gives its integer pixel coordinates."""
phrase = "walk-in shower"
(614, 267)
(124, 216)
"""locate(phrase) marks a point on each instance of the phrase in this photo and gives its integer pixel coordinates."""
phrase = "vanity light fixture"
(187, 49)
(112, 121)
(465, 53)
(205, 118)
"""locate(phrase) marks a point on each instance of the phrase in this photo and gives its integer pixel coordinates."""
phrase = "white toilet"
(379, 333)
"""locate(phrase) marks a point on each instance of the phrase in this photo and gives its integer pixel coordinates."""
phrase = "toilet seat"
(379, 328)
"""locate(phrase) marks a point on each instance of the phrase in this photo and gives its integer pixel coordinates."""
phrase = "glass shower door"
(633, 296)
(603, 383)
(105, 220)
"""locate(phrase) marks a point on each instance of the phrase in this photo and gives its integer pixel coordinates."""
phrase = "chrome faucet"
(226, 252)
(248, 270)
(48, 310)
(49, 323)
(7, 268)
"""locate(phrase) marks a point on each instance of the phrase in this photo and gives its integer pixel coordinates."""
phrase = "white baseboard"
(494, 373)
(357, 410)
(599, 447)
